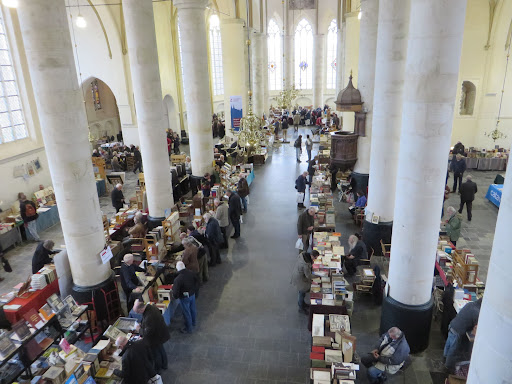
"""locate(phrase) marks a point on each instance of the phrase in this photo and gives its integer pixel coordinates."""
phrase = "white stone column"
(350, 61)
(234, 37)
(257, 68)
(289, 59)
(366, 79)
(318, 70)
(490, 360)
(60, 107)
(387, 119)
(197, 96)
(433, 55)
(142, 50)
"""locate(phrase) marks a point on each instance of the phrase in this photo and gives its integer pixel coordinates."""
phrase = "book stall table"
(31, 300)
(10, 235)
(27, 348)
(494, 194)
(332, 350)
(48, 217)
(329, 290)
(463, 266)
(230, 175)
(322, 198)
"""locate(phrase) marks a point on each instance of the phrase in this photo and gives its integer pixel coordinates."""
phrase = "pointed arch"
(304, 55)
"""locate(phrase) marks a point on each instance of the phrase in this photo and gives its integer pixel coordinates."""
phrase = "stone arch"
(170, 113)
(303, 101)
(106, 114)
(467, 98)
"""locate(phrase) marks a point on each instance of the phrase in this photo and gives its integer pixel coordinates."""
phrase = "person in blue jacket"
(360, 202)
(300, 186)
(458, 167)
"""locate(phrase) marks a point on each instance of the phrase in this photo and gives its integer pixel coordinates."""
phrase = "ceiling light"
(80, 21)
(10, 3)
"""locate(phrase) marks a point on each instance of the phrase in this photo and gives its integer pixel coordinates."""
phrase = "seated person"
(357, 251)
(220, 162)
(129, 280)
(42, 255)
(138, 231)
(188, 165)
(388, 356)
(360, 202)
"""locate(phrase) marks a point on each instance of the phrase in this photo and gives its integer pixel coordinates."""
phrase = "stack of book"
(38, 281)
(332, 350)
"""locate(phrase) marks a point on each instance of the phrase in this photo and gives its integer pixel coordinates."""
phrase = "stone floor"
(249, 330)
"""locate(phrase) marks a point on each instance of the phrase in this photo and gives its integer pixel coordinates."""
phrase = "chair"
(438, 302)
(368, 261)
(386, 249)
(359, 216)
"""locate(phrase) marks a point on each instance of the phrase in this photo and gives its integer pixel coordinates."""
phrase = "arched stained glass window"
(216, 56)
(303, 55)
(332, 41)
(275, 56)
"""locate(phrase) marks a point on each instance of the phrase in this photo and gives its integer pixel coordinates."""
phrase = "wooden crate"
(465, 273)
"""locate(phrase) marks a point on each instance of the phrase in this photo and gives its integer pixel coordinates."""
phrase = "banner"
(235, 103)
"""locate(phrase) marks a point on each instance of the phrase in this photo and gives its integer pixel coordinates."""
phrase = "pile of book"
(38, 281)
(332, 350)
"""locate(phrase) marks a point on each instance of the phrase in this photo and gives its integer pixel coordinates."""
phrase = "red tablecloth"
(36, 300)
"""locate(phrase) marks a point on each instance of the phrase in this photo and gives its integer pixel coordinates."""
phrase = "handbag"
(157, 379)
(6, 264)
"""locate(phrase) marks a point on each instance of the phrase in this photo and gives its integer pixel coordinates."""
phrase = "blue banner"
(494, 194)
(235, 103)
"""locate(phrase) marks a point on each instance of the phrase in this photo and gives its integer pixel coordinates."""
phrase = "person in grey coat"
(222, 216)
(301, 278)
(214, 235)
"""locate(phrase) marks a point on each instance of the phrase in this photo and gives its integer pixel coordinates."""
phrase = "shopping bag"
(299, 245)
(241, 220)
(247, 199)
(157, 379)
(6, 264)
(300, 197)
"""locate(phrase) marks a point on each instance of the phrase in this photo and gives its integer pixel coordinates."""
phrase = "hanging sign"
(106, 255)
(235, 103)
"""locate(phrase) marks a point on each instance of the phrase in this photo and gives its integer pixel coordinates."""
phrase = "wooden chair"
(386, 249)
(359, 216)
(368, 261)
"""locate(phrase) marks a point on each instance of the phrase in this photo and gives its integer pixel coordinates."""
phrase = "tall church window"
(332, 41)
(216, 56)
(275, 56)
(12, 121)
(303, 55)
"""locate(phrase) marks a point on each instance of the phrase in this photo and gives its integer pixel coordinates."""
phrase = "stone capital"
(191, 4)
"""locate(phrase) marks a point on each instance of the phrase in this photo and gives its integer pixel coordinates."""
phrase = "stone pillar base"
(154, 222)
(97, 296)
(374, 233)
(361, 181)
(413, 320)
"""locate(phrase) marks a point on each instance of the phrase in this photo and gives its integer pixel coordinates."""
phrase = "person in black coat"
(117, 197)
(467, 195)
(449, 311)
(458, 167)
(234, 211)
(138, 160)
(458, 149)
(154, 329)
(129, 280)
(184, 288)
(137, 364)
(42, 255)
(357, 252)
(300, 186)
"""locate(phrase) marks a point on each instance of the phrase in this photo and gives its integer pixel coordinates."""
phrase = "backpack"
(30, 211)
